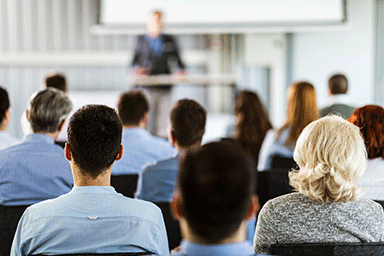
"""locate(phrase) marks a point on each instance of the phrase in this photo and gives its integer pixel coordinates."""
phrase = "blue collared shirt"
(231, 249)
(33, 171)
(157, 182)
(155, 43)
(91, 219)
(140, 148)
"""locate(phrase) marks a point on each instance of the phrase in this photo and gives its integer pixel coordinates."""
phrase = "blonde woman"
(301, 110)
(331, 156)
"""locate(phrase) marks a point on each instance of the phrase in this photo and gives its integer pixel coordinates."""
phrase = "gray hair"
(48, 109)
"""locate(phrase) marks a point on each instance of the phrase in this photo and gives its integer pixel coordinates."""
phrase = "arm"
(265, 150)
(175, 54)
(265, 232)
(17, 244)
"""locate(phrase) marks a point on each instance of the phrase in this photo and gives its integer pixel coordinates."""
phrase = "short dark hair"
(48, 109)
(57, 81)
(188, 122)
(94, 135)
(132, 106)
(338, 84)
(216, 182)
(4, 103)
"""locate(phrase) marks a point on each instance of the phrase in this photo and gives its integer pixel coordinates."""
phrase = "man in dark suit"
(153, 53)
(340, 102)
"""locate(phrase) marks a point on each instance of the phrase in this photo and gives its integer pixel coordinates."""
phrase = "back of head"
(4, 103)
(132, 106)
(56, 80)
(331, 156)
(301, 109)
(215, 183)
(252, 118)
(47, 110)
(338, 84)
(94, 135)
(188, 122)
(370, 120)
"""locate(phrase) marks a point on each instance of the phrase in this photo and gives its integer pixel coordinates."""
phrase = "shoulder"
(161, 142)
(170, 163)
(168, 38)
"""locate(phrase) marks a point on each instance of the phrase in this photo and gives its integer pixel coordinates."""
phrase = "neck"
(238, 237)
(180, 148)
(53, 135)
(3, 127)
(142, 125)
(82, 179)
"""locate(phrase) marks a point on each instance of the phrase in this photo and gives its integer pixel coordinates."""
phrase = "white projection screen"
(227, 12)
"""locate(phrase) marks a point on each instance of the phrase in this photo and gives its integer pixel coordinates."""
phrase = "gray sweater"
(295, 218)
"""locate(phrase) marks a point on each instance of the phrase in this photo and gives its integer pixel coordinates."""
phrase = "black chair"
(380, 202)
(125, 184)
(9, 218)
(283, 162)
(329, 249)
(98, 254)
(171, 225)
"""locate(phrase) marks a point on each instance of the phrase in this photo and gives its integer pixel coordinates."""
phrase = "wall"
(318, 55)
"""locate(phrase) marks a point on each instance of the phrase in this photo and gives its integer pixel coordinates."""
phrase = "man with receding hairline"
(92, 217)
(340, 104)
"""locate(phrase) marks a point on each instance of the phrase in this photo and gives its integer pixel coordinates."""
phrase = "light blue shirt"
(155, 43)
(33, 171)
(7, 140)
(91, 219)
(231, 249)
(157, 182)
(140, 148)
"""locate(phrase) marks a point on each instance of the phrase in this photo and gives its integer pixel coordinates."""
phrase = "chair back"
(172, 226)
(9, 218)
(329, 249)
(125, 184)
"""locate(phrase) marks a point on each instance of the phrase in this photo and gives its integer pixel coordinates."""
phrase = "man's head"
(48, 110)
(56, 80)
(338, 84)
(187, 123)
(155, 23)
(133, 108)
(94, 139)
(4, 107)
(214, 192)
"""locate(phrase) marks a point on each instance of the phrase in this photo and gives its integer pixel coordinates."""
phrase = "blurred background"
(264, 45)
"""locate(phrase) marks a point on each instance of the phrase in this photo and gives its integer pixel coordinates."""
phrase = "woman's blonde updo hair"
(331, 155)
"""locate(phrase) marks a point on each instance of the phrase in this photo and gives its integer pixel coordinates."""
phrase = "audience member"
(301, 110)
(36, 169)
(331, 157)
(187, 126)
(370, 120)
(140, 147)
(339, 102)
(6, 139)
(92, 218)
(214, 199)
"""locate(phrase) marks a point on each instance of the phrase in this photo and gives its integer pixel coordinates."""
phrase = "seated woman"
(370, 120)
(301, 110)
(331, 157)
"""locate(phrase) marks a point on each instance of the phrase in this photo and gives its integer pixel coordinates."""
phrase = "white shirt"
(373, 179)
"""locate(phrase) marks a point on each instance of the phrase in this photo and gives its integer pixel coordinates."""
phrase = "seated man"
(6, 139)
(140, 147)
(92, 218)
(214, 199)
(35, 169)
(187, 126)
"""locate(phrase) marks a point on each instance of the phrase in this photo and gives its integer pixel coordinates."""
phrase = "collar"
(136, 131)
(93, 190)
(189, 248)
(39, 137)
(339, 99)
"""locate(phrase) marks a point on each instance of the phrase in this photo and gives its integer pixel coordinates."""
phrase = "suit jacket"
(157, 63)
(342, 110)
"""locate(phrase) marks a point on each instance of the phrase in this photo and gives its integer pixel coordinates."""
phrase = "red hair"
(370, 120)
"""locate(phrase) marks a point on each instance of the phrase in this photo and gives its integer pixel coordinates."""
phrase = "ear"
(27, 114)
(7, 114)
(176, 211)
(61, 125)
(67, 152)
(254, 207)
(120, 154)
(172, 138)
(145, 119)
